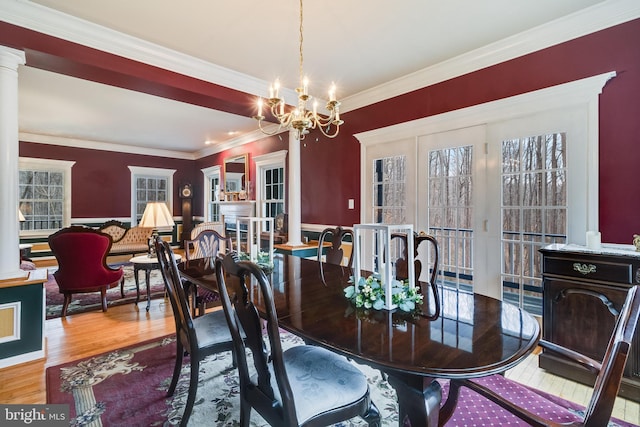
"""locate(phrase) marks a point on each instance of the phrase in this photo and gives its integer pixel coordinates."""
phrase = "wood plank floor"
(88, 334)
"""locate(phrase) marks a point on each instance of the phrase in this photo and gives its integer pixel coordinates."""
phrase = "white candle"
(594, 240)
(259, 106)
(277, 88)
(305, 86)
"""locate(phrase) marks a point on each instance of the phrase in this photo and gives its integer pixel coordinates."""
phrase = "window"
(44, 195)
(211, 193)
(273, 202)
(149, 185)
(497, 181)
(389, 190)
(270, 183)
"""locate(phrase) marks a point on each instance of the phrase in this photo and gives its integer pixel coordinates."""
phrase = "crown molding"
(560, 96)
(40, 18)
(104, 146)
(595, 18)
(238, 141)
(30, 15)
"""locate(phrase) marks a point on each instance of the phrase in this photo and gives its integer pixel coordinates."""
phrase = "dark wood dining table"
(473, 335)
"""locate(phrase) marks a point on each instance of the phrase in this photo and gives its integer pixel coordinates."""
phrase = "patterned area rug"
(128, 387)
(91, 301)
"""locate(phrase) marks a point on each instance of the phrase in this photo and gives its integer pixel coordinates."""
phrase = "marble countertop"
(606, 249)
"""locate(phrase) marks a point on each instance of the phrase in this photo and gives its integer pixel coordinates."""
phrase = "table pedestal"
(418, 399)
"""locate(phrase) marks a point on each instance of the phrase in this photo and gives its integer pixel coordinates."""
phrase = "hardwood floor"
(88, 334)
(82, 335)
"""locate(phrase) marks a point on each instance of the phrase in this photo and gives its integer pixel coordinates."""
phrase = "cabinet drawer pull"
(584, 268)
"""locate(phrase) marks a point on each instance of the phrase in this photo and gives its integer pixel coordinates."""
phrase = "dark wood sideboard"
(583, 290)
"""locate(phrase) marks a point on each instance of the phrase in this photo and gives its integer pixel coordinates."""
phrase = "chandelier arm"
(266, 132)
(328, 135)
(300, 119)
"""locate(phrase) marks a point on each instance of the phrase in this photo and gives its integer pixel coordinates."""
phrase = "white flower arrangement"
(371, 293)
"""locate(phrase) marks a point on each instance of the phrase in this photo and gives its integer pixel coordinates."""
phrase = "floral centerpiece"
(371, 293)
(263, 260)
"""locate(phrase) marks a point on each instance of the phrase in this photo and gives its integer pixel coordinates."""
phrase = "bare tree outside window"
(534, 212)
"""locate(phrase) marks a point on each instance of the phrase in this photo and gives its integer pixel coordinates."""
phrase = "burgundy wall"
(256, 148)
(331, 167)
(101, 180)
(330, 174)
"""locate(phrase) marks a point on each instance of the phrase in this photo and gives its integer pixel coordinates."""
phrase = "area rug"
(127, 387)
(91, 301)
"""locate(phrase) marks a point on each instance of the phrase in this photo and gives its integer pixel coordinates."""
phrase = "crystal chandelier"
(301, 119)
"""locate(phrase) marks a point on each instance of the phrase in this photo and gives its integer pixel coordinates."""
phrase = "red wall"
(331, 167)
(101, 180)
(330, 174)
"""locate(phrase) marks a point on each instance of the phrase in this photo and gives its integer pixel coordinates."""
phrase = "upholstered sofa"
(127, 240)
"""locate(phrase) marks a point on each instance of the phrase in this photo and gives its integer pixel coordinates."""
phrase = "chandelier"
(301, 119)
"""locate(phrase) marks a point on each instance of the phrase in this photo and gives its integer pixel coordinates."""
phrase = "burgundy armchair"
(82, 263)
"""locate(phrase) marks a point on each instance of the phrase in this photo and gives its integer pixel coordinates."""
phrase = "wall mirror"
(236, 177)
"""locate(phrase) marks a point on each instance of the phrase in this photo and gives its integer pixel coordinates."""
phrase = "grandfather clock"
(186, 194)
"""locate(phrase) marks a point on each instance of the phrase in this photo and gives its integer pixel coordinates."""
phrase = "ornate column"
(294, 210)
(10, 59)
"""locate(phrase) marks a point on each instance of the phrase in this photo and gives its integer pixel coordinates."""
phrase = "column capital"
(11, 58)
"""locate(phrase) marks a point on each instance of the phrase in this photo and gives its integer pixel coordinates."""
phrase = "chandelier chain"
(301, 119)
(301, 41)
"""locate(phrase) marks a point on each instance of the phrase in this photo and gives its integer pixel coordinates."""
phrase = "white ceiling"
(359, 44)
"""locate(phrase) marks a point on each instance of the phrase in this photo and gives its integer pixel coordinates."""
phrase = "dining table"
(471, 336)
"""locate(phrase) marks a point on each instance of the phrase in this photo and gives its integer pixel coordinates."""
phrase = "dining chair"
(334, 254)
(199, 337)
(81, 254)
(537, 410)
(302, 386)
(207, 242)
(433, 256)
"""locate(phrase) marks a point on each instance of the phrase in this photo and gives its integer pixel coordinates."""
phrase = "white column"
(294, 211)
(10, 59)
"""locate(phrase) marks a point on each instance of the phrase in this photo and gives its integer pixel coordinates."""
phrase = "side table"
(146, 263)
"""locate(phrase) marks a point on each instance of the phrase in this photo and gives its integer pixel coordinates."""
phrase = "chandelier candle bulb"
(305, 86)
(260, 107)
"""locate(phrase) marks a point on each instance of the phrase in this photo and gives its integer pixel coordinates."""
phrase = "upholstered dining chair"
(81, 253)
(541, 411)
(206, 243)
(419, 249)
(301, 386)
(334, 254)
(199, 337)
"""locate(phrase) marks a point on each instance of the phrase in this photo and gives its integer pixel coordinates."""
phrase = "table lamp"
(156, 215)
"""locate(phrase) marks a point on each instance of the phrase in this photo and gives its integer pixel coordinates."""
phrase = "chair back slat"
(185, 330)
(206, 244)
(237, 281)
(434, 256)
(608, 381)
(334, 254)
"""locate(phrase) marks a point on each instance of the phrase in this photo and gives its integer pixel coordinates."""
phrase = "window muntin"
(149, 185)
(44, 195)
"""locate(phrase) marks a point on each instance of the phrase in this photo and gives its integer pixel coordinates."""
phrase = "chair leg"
(176, 369)
(193, 388)
(372, 417)
(65, 304)
(245, 413)
(103, 296)
(122, 287)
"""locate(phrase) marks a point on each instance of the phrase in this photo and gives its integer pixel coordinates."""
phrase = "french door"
(492, 195)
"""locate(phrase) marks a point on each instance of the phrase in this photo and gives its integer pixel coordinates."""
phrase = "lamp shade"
(21, 217)
(156, 215)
